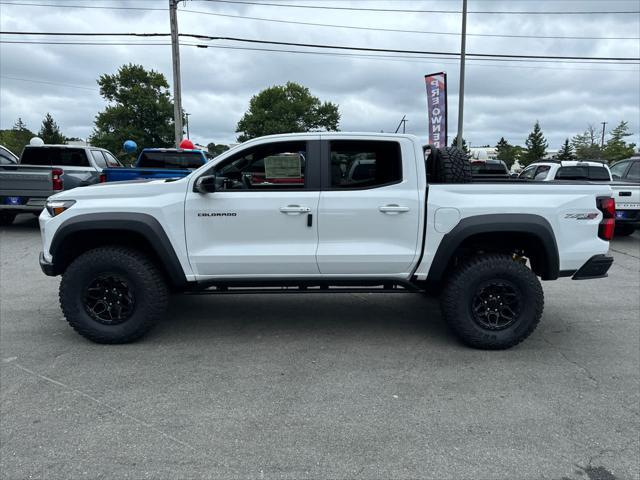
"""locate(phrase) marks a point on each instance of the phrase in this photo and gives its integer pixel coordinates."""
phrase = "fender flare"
(140, 223)
(530, 224)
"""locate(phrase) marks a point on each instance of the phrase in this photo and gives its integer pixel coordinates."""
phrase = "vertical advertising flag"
(437, 108)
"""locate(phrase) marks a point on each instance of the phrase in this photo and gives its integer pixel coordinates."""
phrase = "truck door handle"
(393, 209)
(294, 210)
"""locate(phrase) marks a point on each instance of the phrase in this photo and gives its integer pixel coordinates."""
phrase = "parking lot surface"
(319, 386)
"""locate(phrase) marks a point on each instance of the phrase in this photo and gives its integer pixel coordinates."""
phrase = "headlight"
(56, 207)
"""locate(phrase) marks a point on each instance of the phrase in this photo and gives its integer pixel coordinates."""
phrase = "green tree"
(217, 149)
(17, 137)
(50, 132)
(140, 109)
(286, 109)
(616, 148)
(506, 152)
(586, 144)
(566, 151)
(465, 147)
(536, 146)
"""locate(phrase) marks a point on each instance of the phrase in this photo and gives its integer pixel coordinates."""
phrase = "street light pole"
(175, 57)
(463, 44)
(602, 139)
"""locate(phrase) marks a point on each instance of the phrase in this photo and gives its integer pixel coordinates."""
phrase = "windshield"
(177, 160)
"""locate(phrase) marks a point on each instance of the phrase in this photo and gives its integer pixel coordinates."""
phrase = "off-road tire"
(624, 230)
(453, 165)
(7, 218)
(461, 289)
(148, 285)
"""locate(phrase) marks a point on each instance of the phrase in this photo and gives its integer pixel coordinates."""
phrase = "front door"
(369, 208)
(261, 220)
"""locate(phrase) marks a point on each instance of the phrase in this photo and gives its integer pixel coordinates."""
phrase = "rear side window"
(65, 157)
(364, 164)
(583, 172)
(634, 172)
(98, 157)
(177, 160)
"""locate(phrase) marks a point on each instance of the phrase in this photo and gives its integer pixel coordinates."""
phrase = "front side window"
(634, 172)
(272, 166)
(619, 168)
(99, 158)
(111, 160)
(542, 172)
(528, 172)
(364, 164)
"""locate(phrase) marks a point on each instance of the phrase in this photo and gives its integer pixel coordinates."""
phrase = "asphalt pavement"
(356, 386)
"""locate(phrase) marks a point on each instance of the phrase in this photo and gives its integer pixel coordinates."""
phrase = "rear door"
(369, 213)
(261, 220)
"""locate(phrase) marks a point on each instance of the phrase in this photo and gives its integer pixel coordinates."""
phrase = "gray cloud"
(502, 98)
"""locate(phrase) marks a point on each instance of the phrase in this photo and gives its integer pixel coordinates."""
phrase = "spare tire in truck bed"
(450, 165)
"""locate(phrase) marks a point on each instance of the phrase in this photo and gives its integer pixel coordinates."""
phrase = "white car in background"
(567, 170)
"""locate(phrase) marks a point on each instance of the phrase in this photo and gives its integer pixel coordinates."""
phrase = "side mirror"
(205, 184)
(615, 176)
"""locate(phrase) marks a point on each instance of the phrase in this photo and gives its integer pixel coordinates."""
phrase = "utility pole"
(175, 56)
(602, 140)
(463, 48)
(186, 115)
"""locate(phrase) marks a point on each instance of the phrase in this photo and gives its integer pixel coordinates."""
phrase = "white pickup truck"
(325, 212)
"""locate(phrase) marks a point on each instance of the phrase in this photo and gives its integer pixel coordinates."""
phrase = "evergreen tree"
(50, 132)
(616, 148)
(465, 147)
(17, 137)
(536, 146)
(216, 150)
(566, 151)
(506, 152)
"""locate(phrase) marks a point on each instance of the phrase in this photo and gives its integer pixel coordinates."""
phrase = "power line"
(294, 22)
(397, 30)
(48, 83)
(402, 10)
(338, 47)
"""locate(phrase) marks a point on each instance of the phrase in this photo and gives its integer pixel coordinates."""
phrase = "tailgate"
(17, 180)
(627, 196)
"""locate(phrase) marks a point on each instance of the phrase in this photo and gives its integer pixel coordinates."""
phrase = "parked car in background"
(158, 163)
(43, 170)
(489, 169)
(626, 191)
(7, 157)
(567, 170)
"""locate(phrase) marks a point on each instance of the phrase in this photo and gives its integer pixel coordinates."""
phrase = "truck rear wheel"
(113, 294)
(492, 302)
(7, 218)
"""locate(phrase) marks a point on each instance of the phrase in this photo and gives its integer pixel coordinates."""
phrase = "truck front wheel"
(492, 302)
(113, 294)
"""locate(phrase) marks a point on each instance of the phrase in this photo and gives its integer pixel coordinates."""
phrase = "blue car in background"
(158, 163)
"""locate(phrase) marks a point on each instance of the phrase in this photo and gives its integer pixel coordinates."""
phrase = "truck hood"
(128, 188)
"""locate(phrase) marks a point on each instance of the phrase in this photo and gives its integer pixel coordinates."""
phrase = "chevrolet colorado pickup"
(44, 170)
(347, 212)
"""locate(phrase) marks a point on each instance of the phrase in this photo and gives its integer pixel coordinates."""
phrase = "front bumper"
(596, 267)
(48, 268)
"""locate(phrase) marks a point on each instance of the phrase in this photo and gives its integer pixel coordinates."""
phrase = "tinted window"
(177, 160)
(619, 168)
(65, 157)
(582, 172)
(273, 166)
(99, 158)
(634, 172)
(486, 168)
(361, 164)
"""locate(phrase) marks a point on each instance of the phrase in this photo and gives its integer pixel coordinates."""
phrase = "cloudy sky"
(502, 98)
